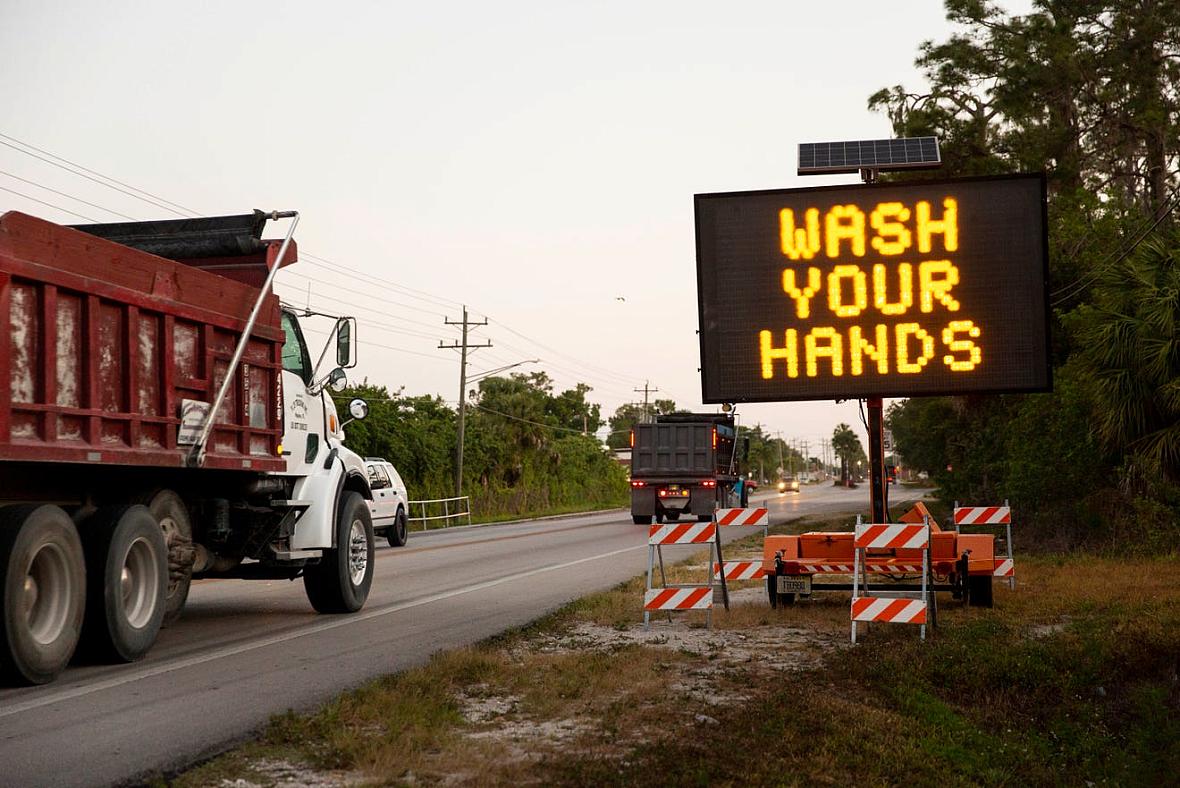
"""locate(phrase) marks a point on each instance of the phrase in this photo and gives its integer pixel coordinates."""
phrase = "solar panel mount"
(904, 153)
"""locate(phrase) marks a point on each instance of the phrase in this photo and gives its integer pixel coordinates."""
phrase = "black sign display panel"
(889, 290)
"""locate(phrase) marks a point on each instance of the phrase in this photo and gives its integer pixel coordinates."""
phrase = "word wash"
(874, 290)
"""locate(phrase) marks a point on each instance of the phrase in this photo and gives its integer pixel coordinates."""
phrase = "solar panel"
(906, 153)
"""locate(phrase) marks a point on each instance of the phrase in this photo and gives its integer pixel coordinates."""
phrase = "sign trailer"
(874, 290)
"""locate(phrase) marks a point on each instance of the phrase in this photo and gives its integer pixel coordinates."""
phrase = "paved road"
(245, 650)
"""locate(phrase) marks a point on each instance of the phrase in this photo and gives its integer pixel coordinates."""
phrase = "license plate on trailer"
(794, 584)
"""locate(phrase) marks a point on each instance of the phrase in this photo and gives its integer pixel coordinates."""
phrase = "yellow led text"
(844, 228)
(913, 347)
(848, 288)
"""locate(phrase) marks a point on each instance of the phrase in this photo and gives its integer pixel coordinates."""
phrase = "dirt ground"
(695, 671)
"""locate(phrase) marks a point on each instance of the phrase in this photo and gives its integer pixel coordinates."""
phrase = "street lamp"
(504, 368)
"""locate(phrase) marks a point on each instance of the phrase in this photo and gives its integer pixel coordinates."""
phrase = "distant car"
(788, 485)
(391, 503)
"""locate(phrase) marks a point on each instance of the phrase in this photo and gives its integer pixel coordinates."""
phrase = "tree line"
(1088, 92)
(527, 449)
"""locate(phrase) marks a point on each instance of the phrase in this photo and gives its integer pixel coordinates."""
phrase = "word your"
(935, 280)
(912, 349)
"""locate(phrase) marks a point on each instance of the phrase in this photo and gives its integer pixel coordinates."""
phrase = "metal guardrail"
(462, 503)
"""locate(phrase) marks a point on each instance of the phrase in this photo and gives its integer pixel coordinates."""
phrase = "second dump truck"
(684, 465)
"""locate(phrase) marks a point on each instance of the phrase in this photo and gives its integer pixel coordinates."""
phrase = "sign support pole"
(878, 480)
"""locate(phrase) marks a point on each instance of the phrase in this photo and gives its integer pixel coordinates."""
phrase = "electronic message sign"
(881, 290)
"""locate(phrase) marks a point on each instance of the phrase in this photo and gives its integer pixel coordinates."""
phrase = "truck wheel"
(396, 533)
(641, 519)
(979, 590)
(172, 515)
(340, 582)
(42, 593)
(127, 578)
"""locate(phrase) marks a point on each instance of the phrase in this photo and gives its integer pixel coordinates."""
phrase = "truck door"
(303, 413)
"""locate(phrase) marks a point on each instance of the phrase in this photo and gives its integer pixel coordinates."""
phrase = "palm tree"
(1131, 349)
(847, 447)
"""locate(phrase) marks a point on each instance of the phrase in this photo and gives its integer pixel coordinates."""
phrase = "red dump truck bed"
(102, 342)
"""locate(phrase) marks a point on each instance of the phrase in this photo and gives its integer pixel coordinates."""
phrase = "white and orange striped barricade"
(740, 570)
(991, 517)
(888, 607)
(745, 516)
(681, 596)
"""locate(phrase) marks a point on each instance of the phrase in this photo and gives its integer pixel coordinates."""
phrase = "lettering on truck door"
(303, 414)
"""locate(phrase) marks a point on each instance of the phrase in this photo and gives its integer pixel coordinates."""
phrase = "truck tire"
(641, 519)
(127, 578)
(979, 590)
(42, 593)
(172, 515)
(396, 533)
(340, 582)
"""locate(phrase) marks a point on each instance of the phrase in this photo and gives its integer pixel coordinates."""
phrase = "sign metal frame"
(896, 387)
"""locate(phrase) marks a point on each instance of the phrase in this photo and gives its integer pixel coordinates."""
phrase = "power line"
(413, 292)
(63, 194)
(88, 177)
(48, 204)
(99, 174)
(1082, 282)
(379, 345)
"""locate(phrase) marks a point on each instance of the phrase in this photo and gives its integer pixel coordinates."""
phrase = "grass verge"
(1070, 679)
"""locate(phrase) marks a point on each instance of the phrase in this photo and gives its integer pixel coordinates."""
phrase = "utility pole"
(464, 348)
(779, 435)
(646, 391)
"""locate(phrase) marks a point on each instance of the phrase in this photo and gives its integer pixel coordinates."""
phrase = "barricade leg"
(855, 581)
(925, 575)
(1011, 557)
(646, 614)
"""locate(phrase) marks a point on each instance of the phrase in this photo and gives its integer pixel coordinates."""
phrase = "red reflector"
(709, 483)
(638, 484)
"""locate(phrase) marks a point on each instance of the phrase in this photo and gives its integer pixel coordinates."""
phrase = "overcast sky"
(535, 161)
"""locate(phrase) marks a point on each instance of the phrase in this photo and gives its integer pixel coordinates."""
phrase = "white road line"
(334, 623)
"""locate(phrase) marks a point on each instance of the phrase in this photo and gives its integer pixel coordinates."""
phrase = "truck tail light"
(709, 483)
(638, 484)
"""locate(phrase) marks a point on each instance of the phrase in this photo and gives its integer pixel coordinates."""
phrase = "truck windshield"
(295, 358)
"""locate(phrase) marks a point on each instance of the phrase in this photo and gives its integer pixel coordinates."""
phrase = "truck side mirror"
(337, 380)
(358, 409)
(344, 336)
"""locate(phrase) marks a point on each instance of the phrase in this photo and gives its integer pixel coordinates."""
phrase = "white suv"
(391, 504)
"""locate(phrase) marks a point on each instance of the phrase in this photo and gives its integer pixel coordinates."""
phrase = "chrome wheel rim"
(46, 594)
(139, 581)
(358, 552)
